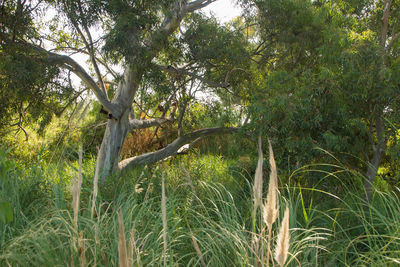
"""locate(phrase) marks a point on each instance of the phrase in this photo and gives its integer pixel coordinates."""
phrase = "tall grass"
(201, 223)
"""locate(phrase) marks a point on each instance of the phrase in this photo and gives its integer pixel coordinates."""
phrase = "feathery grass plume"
(258, 179)
(131, 247)
(271, 206)
(196, 247)
(122, 255)
(257, 192)
(282, 244)
(164, 218)
(82, 250)
(76, 190)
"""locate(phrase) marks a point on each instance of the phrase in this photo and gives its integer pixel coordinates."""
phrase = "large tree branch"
(69, 63)
(172, 149)
(141, 124)
(198, 4)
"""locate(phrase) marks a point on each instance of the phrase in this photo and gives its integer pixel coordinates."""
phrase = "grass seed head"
(258, 179)
(271, 207)
(282, 244)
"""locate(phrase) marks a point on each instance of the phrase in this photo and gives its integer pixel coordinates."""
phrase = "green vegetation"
(128, 133)
(208, 200)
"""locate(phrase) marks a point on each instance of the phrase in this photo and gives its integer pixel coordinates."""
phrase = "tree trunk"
(372, 171)
(378, 150)
(109, 153)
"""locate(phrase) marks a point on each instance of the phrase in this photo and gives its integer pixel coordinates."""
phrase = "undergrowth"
(209, 218)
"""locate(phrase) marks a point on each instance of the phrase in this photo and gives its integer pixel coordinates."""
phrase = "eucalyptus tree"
(159, 46)
(331, 79)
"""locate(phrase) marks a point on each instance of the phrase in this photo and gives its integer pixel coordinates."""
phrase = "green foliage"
(29, 90)
(328, 81)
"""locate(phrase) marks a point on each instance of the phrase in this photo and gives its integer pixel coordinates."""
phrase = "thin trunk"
(372, 172)
(378, 152)
(379, 147)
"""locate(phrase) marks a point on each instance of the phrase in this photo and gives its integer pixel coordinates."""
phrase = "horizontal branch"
(172, 149)
(141, 124)
(198, 4)
(69, 63)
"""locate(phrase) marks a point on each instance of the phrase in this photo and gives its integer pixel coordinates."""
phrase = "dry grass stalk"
(104, 258)
(271, 207)
(82, 250)
(76, 190)
(164, 218)
(197, 248)
(133, 251)
(97, 242)
(122, 255)
(282, 244)
(131, 247)
(257, 194)
(95, 188)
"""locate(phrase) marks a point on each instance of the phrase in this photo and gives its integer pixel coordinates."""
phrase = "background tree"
(331, 80)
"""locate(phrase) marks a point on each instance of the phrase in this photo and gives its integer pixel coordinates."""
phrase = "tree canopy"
(305, 73)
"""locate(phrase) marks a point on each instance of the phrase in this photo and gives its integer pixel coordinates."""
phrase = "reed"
(164, 219)
(122, 253)
(76, 190)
